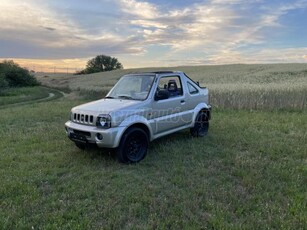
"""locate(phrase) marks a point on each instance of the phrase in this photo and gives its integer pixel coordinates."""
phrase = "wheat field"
(239, 86)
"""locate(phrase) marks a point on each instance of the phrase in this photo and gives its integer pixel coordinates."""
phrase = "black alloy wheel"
(201, 125)
(133, 146)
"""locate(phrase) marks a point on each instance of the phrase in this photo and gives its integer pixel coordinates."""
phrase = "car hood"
(106, 106)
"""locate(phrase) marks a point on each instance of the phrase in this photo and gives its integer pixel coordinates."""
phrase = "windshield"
(132, 87)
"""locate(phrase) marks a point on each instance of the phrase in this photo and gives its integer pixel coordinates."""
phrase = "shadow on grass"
(94, 153)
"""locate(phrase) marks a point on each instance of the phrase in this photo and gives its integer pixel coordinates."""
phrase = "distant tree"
(12, 75)
(101, 63)
(3, 82)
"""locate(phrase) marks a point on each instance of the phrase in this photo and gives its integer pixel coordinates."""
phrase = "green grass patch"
(249, 172)
(24, 95)
(16, 95)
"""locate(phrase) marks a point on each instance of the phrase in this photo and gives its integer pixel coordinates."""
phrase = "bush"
(3, 82)
(12, 75)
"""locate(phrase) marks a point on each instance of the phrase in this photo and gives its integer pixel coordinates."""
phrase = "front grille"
(83, 118)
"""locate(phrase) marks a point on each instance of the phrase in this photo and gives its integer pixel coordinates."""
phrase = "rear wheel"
(201, 125)
(133, 146)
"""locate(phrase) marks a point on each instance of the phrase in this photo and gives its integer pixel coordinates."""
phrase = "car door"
(167, 112)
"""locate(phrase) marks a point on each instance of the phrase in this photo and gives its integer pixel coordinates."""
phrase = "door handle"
(182, 101)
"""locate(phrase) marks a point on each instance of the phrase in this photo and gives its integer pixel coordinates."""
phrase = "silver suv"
(141, 107)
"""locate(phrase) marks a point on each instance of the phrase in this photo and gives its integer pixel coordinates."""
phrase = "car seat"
(172, 88)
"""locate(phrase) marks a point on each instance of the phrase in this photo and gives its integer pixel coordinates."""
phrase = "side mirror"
(161, 94)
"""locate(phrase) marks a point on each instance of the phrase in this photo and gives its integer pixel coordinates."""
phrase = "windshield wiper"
(126, 97)
(109, 97)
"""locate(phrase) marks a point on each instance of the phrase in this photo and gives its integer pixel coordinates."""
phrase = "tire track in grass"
(52, 95)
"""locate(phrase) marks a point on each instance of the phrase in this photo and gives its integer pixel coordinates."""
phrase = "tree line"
(12, 75)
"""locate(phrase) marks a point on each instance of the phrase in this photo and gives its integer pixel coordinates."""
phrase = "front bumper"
(108, 138)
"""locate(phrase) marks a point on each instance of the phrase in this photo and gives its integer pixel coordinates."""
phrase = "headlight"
(104, 121)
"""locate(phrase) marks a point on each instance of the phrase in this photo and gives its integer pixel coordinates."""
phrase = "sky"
(62, 35)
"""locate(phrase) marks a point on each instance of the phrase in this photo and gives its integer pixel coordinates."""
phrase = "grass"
(17, 96)
(249, 172)
(270, 86)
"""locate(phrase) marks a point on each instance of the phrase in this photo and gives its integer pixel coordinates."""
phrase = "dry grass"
(271, 86)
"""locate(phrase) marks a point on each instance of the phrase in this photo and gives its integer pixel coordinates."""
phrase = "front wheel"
(133, 146)
(201, 125)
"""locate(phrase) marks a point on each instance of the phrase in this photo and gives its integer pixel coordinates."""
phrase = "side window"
(192, 89)
(172, 85)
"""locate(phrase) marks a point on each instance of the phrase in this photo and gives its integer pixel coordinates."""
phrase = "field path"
(53, 95)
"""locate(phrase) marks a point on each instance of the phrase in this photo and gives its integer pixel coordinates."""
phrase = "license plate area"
(78, 137)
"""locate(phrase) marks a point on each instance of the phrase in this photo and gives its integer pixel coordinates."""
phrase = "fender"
(136, 120)
(198, 108)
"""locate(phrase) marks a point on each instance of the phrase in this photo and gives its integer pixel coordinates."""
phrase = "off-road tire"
(201, 125)
(133, 146)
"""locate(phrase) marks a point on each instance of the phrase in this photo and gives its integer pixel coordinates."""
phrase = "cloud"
(51, 65)
(214, 28)
(206, 31)
(142, 10)
(32, 30)
(234, 2)
(49, 28)
(286, 55)
(186, 28)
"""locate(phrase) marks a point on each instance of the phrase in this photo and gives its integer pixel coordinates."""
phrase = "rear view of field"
(249, 172)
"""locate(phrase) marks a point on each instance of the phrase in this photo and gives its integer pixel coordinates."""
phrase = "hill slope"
(235, 86)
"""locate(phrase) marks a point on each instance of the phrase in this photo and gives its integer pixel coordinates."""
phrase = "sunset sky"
(51, 35)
